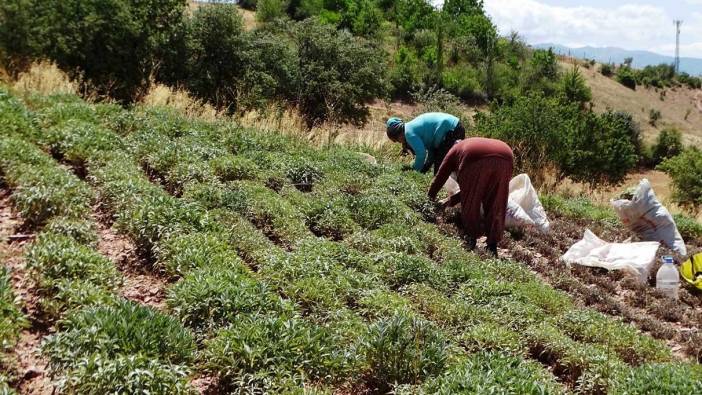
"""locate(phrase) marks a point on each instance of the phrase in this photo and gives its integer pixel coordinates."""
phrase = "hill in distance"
(642, 59)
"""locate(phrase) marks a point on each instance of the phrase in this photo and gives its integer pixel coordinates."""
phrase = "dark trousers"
(458, 133)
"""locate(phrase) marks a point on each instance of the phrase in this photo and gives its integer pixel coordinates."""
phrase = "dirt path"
(698, 97)
(31, 366)
(140, 284)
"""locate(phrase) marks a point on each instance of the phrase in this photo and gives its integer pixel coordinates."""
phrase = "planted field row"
(381, 298)
(631, 346)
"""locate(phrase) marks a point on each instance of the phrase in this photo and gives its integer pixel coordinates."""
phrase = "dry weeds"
(45, 78)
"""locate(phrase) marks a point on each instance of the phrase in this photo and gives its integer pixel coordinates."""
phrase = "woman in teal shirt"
(429, 137)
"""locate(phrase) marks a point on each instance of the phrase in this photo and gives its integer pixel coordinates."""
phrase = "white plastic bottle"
(668, 278)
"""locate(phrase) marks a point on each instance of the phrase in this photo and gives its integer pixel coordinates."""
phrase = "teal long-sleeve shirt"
(425, 134)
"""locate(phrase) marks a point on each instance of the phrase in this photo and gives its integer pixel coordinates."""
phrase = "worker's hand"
(443, 204)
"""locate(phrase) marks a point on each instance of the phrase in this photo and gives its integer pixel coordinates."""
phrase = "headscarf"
(395, 127)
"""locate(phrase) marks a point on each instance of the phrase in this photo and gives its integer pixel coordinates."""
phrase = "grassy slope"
(608, 93)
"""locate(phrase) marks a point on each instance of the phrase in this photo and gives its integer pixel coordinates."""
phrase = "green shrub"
(573, 87)
(83, 231)
(120, 348)
(330, 217)
(495, 373)
(362, 18)
(463, 82)
(11, 318)
(404, 350)
(270, 10)
(230, 168)
(303, 174)
(213, 297)
(124, 329)
(686, 172)
(669, 378)
(215, 39)
(653, 117)
(56, 258)
(489, 337)
(258, 352)
(408, 73)
(626, 77)
(339, 73)
(180, 254)
(129, 374)
(374, 210)
(689, 228)
(668, 144)
(114, 46)
(401, 269)
(607, 69)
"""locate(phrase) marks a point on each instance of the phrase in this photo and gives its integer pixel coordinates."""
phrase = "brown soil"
(141, 285)
(677, 323)
(30, 367)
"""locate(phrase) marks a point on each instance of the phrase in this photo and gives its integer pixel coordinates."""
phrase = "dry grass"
(45, 78)
(163, 96)
(680, 107)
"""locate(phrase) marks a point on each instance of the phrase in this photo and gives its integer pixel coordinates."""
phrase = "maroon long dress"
(484, 169)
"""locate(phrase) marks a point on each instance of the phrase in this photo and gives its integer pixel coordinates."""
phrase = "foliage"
(11, 318)
(668, 144)
(213, 297)
(269, 10)
(686, 172)
(607, 69)
(115, 45)
(654, 116)
(574, 88)
(362, 18)
(259, 352)
(214, 41)
(179, 254)
(338, 73)
(130, 345)
(404, 350)
(674, 378)
(626, 77)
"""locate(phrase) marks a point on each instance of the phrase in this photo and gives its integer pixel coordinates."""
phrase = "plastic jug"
(667, 278)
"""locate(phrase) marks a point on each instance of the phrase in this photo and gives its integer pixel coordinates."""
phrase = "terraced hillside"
(171, 255)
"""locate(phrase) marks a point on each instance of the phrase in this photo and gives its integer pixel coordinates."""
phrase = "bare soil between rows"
(28, 366)
(614, 293)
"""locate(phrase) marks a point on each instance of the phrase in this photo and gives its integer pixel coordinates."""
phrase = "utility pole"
(677, 23)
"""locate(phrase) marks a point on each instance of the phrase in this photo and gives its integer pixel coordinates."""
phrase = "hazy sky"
(629, 24)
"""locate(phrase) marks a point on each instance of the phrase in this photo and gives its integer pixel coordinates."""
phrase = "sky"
(629, 24)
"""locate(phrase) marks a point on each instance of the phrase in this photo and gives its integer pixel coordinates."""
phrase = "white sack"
(648, 218)
(636, 258)
(451, 186)
(523, 205)
(523, 194)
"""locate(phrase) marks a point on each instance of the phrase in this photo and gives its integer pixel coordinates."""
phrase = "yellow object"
(691, 270)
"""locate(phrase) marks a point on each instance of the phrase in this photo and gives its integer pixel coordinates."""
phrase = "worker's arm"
(445, 170)
(419, 149)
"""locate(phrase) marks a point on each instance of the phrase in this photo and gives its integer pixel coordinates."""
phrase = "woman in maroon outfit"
(484, 169)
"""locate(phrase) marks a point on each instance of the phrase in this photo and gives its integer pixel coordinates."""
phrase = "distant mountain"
(617, 55)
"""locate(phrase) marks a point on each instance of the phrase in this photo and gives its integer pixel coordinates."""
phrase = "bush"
(339, 73)
(362, 18)
(115, 46)
(673, 378)
(180, 254)
(463, 82)
(12, 321)
(259, 352)
(686, 172)
(131, 346)
(626, 77)
(55, 258)
(668, 144)
(215, 296)
(607, 69)
(404, 350)
(215, 39)
(653, 117)
(230, 168)
(494, 373)
(408, 73)
(270, 10)
(573, 87)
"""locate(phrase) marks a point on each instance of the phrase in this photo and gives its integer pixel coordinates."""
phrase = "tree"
(362, 18)
(114, 44)
(686, 173)
(573, 87)
(215, 54)
(338, 74)
(668, 144)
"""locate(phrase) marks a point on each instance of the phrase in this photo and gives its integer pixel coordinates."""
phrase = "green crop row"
(387, 297)
(12, 321)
